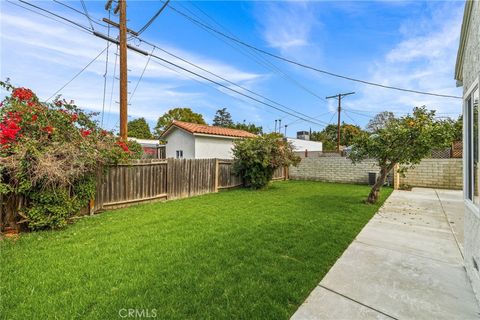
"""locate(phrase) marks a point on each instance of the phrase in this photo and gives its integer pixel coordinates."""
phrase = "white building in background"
(187, 140)
(467, 74)
(300, 145)
(303, 144)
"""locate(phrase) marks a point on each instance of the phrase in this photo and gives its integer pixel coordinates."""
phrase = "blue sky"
(410, 44)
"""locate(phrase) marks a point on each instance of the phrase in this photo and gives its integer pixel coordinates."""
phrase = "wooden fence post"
(217, 174)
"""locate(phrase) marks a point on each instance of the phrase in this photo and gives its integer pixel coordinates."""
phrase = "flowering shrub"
(256, 159)
(49, 154)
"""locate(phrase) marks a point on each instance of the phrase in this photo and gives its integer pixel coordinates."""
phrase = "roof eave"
(171, 127)
(217, 136)
(463, 39)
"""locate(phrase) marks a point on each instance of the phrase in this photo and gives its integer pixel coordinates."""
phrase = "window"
(471, 140)
(179, 154)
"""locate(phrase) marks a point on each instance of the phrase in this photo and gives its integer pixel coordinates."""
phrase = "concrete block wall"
(333, 169)
(435, 173)
(430, 173)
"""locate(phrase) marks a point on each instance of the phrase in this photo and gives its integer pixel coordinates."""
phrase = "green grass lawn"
(236, 254)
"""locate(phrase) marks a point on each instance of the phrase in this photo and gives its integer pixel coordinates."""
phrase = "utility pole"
(286, 130)
(121, 9)
(123, 70)
(276, 125)
(339, 97)
(279, 125)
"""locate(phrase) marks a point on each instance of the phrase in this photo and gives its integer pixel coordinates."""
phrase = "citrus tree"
(404, 141)
(49, 154)
(256, 159)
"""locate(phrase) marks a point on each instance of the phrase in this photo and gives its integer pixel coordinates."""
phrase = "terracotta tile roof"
(204, 129)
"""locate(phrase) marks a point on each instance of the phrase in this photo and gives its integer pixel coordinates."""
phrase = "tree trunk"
(373, 196)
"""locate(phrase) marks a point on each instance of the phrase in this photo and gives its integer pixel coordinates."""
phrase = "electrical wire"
(307, 66)
(56, 15)
(105, 76)
(113, 85)
(233, 90)
(353, 120)
(145, 27)
(315, 117)
(86, 14)
(48, 17)
(232, 83)
(141, 76)
(255, 56)
(77, 74)
(80, 12)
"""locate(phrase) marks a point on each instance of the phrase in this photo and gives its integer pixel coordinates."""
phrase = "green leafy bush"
(49, 155)
(256, 159)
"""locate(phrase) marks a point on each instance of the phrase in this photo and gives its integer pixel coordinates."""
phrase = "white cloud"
(423, 60)
(287, 26)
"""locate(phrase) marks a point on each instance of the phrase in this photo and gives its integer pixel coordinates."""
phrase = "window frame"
(468, 149)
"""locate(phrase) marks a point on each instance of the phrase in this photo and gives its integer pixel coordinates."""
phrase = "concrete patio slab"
(421, 241)
(317, 306)
(405, 264)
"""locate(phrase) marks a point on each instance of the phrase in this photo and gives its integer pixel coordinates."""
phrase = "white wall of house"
(213, 147)
(180, 140)
(470, 77)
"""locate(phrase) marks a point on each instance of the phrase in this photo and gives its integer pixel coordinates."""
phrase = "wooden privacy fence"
(150, 179)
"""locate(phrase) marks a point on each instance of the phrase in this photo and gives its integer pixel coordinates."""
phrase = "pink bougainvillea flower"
(74, 117)
(34, 118)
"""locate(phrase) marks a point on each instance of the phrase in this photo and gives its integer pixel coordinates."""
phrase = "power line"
(80, 72)
(233, 90)
(230, 82)
(105, 76)
(113, 84)
(48, 17)
(333, 115)
(86, 14)
(56, 15)
(80, 12)
(307, 66)
(315, 117)
(348, 116)
(153, 18)
(255, 56)
(141, 76)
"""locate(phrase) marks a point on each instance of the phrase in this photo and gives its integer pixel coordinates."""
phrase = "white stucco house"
(467, 74)
(196, 141)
